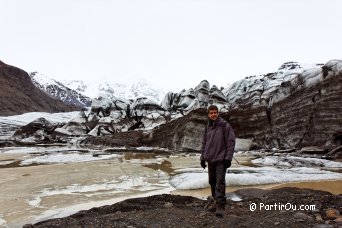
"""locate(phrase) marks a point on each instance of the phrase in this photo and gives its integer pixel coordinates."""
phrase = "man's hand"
(227, 164)
(203, 164)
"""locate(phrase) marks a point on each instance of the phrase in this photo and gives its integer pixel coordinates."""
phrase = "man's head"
(213, 112)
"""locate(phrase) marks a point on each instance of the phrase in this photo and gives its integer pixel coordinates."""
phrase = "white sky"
(172, 44)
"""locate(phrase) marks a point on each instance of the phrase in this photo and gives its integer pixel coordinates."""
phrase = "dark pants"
(217, 181)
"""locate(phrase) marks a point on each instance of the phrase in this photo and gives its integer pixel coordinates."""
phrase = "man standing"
(217, 150)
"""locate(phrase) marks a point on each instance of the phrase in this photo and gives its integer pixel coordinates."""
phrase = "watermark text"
(281, 207)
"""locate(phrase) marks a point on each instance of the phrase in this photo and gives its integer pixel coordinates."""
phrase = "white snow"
(6, 162)
(2, 221)
(147, 161)
(292, 161)
(233, 197)
(58, 89)
(43, 79)
(312, 76)
(254, 176)
(41, 150)
(113, 187)
(190, 181)
(26, 118)
(256, 90)
(66, 211)
(146, 148)
(335, 65)
(101, 102)
(133, 91)
(63, 131)
(18, 150)
(65, 158)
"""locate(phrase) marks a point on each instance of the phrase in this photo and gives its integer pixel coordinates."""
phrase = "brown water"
(35, 192)
(334, 187)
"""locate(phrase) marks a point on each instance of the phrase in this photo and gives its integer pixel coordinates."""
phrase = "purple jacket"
(218, 142)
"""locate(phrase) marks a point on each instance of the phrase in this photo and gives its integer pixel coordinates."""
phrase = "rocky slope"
(19, 95)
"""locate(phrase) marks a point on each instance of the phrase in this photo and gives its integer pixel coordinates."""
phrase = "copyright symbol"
(252, 206)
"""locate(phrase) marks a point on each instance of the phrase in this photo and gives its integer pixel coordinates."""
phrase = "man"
(217, 150)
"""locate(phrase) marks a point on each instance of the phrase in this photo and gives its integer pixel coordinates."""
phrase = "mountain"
(59, 90)
(80, 93)
(130, 91)
(19, 95)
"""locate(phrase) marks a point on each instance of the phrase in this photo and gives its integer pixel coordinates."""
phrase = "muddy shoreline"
(305, 208)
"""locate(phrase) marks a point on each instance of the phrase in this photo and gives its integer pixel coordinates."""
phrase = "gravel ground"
(186, 211)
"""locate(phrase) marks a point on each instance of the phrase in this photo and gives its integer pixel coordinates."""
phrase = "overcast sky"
(172, 44)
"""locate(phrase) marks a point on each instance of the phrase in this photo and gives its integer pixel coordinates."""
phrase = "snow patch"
(292, 161)
(2, 221)
(123, 184)
(254, 176)
(23, 119)
(65, 158)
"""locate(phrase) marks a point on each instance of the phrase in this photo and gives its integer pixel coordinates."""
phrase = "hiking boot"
(211, 204)
(212, 208)
(220, 210)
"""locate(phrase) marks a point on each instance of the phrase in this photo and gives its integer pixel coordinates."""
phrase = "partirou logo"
(281, 207)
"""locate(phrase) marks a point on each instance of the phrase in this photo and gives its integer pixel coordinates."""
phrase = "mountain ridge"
(58, 90)
(19, 95)
(95, 89)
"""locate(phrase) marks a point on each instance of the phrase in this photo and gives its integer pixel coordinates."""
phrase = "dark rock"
(313, 150)
(37, 131)
(34, 126)
(318, 217)
(182, 134)
(332, 213)
(254, 193)
(300, 216)
(334, 154)
(168, 205)
(128, 139)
